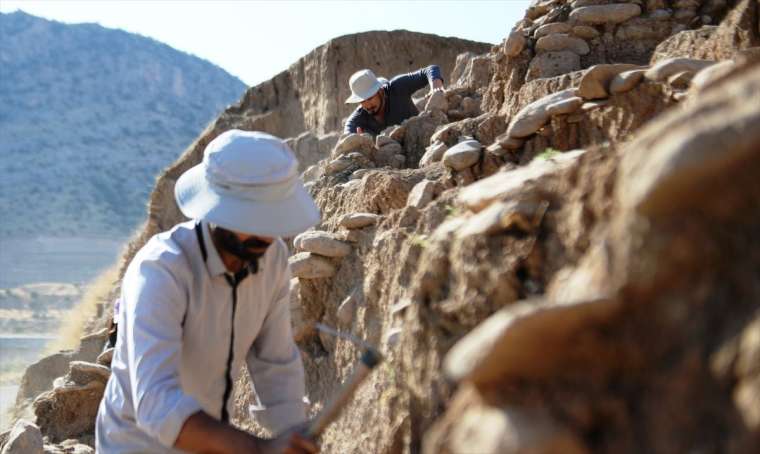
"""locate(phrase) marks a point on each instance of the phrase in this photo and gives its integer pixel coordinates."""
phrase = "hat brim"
(356, 98)
(285, 218)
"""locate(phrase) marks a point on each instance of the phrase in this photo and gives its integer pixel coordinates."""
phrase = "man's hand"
(437, 85)
(292, 441)
(359, 130)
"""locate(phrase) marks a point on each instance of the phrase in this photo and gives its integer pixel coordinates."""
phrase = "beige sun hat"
(364, 84)
(248, 182)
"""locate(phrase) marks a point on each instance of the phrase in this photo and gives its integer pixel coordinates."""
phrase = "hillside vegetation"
(88, 117)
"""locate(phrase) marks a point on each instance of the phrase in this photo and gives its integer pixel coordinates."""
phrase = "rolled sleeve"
(275, 365)
(154, 307)
(411, 82)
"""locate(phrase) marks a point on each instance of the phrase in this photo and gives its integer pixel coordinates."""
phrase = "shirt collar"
(214, 263)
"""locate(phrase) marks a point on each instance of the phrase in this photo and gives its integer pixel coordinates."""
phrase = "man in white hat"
(206, 298)
(384, 103)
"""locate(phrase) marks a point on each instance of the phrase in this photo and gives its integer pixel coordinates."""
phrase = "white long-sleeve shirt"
(171, 354)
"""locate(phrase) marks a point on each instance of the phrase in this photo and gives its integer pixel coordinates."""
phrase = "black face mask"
(240, 249)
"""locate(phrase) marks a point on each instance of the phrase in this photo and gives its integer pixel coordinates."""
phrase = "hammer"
(369, 360)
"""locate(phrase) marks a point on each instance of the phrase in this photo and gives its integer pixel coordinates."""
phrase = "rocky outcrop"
(309, 95)
(568, 36)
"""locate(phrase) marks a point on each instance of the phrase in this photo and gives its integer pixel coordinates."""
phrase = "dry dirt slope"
(570, 266)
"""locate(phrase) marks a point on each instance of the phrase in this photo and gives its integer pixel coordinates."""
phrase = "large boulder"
(24, 438)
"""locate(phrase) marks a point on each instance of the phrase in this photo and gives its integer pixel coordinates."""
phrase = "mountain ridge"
(72, 94)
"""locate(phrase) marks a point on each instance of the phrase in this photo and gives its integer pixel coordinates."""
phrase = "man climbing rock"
(206, 298)
(385, 103)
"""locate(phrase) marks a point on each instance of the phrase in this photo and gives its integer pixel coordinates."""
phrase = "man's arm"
(202, 433)
(411, 82)
(274, 361)
(353, 122)
(154, 306)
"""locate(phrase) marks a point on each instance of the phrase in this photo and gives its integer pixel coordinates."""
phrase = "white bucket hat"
(364, 84)
(248, 182)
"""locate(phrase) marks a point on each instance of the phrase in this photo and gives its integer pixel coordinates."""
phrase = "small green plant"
(452, 211)
(548, 153)
(419, 240)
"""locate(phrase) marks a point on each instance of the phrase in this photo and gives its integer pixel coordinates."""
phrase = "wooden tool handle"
(330, 413)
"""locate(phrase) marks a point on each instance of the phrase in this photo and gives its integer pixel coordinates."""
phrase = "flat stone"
(401, 306)
(580, 3)
(522, 215)
(363, 143)
(514, 44)
(596, 80)
(636, 32)
(684, 15)
(626, 81)
(106, 357)
(748, 362)
(524, 340)
(433, 153)
(447, 134)
(671, 66)
(660, 14)
(313, 172)
(421, 194)
(350, 185)
(382, 139)
(463, 155)
(747, 400)
(338, 165)
(613, 13)
(502, 185)
(306, 265)
(551, 29)
(485, 429)
(358, 220)
(565, 107)
(533, 116)
(551, 64)
(68, 410)
(82, 372)
(453, 99)
(24, 438)
(679, 96)
(358, 174)
(707, 76)
(398, 133)
(345, 311)
(510, 143)
(496, 149)
(393, 337)
(680, 80)
(300, 326)
(437, 100)
(321, 243)
(470, 106)
(585, 32)
(538, 8)
(561, 41)
(592, 105)
(391, 148)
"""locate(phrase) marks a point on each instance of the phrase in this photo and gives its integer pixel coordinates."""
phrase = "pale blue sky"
(256, 39)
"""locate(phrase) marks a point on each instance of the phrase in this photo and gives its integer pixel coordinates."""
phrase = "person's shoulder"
(166, 249)
(358, 112)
